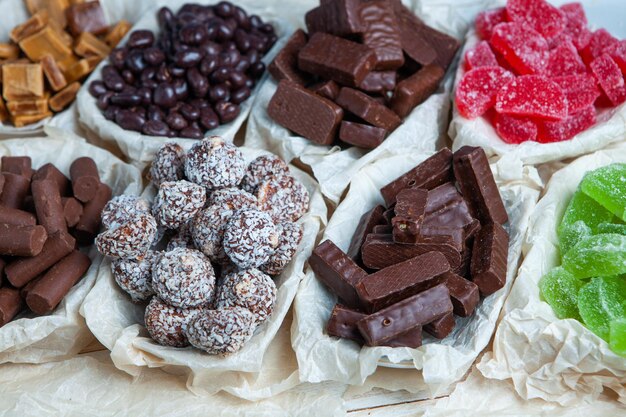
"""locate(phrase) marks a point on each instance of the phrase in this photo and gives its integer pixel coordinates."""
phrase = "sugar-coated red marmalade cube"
(480, 56)
(487, 20)
(564, 59)
(600, 42)
(532, 96)
(477, 90)
(538, 14)
(576, 26)
(581, 90)
(567, 128)
(515, 130)
(610, 78)
(522, 47)
(618, 53)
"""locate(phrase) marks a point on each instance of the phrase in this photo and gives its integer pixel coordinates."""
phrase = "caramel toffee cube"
(44, 42)
(33, 25)
(21, 121)
(4, 113)
(88, 45)
(9, 51)
(53, 73)
(22, 81)
(117, 32)
(78, 71)
(65, 97)
(29, 107)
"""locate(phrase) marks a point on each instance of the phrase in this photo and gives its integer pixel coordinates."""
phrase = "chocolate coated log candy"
(489, 259)
(285, 65)
(335, 269)
(463, 293)
(368, 109)
(361, 135)
(17, 217)
(52, 173)
(21, 271)
(85, 178)
(89, 224)
(382, 34)
(366, 225)
(48, 205)
(406, 315)
(431, 173)
(10, 304)
(441, 327)
(57, 282)
(402, 280)
(15, 189)
(20, 165)
(473, 173)
(410, 210)
(21, 240)
(72, 211)
(415, 89)
(305, 113)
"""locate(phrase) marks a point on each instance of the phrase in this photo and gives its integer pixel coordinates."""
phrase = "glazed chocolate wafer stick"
(489, 258)
(366, 226)
(463, 293)
(414, 90)
(409, 210)
(285, 65)
(441, 327)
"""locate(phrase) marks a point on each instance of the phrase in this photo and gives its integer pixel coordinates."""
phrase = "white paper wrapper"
(547, 358)
(119, 325)
(322, 357)
(141, 148)
(62, 333)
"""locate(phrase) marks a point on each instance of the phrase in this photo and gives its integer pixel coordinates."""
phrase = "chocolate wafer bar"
(368, 109)
(285, 64)
(410, 209)
(489, 258)
(463, 293)
(366, 225)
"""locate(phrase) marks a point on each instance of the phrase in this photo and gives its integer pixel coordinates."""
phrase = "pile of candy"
(538, 73)
(589, 286)
(212, 213)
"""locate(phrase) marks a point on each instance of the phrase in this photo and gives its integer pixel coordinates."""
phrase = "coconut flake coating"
(182, 239)
(207, 231)
(130, 240)
(135, 276)
(289, 237)
(250, 289)
(215, 163)
(122, 208)
(184, 278)
(168, 164)
(285, 198)
(177, 202)
(165, 323)
(250, 238)
(233, 199)
(261, 169)
(220, 332)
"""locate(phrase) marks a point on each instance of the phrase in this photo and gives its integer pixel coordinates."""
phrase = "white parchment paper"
(323, 358)
(62, 333)
(141, 148)
(555, 360)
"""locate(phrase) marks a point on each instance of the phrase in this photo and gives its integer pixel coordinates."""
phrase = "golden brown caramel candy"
(88, 45)
(79, 70)
(4, 114)
(9, 51)
(64, 98)
(22, 81)
(33, 25)
(53, 73)
(67, 63)
(30, 107)
(117, 32)
(21, 121)
(46, 41)
(33, 6)
(86, 17)
(76, 1)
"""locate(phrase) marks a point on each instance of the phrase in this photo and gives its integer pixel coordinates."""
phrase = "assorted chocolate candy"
(204, 251)
(44, 218)
(436, 247)
(362, 67)
(539, 73)
(191, 77)
(50, 54)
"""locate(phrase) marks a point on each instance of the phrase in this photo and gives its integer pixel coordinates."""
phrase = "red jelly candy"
(601, 41)
(522, 47)
(487, 20)
(564, 59)
(538, 14)
(478, 88)
(576, 26)
(480, 56)
(533, 96)
(515, 129)
(567, 128)
(610, 78)
(581, 91)
(558, 40)
(618, 53)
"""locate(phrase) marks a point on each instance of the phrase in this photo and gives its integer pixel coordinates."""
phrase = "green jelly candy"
(617, 336)
(607, 185)
(601, 301)
(571, 235)
(619, 229)
(597, 256)
(560, 289)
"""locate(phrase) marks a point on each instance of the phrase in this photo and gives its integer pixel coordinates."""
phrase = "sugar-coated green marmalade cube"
(601, 255)
(617, 336)
(616, 228)
(572, 234)
(601, 301)
(560, 289)
(607, 185)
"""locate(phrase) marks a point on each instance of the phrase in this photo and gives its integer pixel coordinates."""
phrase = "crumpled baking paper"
(14, 12)
(141, 148)
(119, 325)
(62, 333)
(323, 358)
(555, 360)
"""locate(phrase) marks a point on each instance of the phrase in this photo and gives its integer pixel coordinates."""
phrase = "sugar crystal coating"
(477, 91)
(261, 169)
(135, 276)
(221, 332)
(178, 202)
(184, 278)
(130, 240)
(487, 20)
(480, 56)
(522, 47)
(533, 96)
(560, 289)
(250, 238)
(581, 91)
(215, 163)
(168, 164)
(165, 323)
(515, 129)
(122, 208)
(567, 128)
(250, 289)
(284, 198)
(610, 78)
(289, 237)
(600, 302)
(565, 60)
(597, 256)
(538, 14)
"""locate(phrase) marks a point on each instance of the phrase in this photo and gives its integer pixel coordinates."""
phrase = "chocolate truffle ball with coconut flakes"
(285, 198)
(165, 323)
(122, 208)
(178, 202)
(215, 163)
(135, 276)
(130, 240)
(207, 230)
(250, 238)
(250, 289)
(261, 169)
(289, 237)
(184, 278)
(182, 238)
(233, 198)
(220, 332)
(168, 164)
